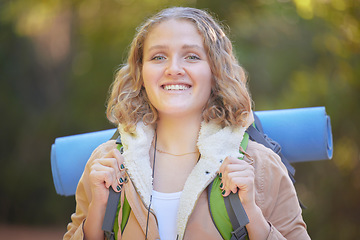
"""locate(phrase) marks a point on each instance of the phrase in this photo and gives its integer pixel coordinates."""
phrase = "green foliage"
(58, 58)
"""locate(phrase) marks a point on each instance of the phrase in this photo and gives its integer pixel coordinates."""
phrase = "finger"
(115, 153)
(106, 175)
(241, 182)
(228, 188)
(227, 161)
(235, 173)
(116, 160)
(120, 159)
(237, 167)
(225, 193)
(113, 163)
(223, 165)
(232, 170)
(108, 162)
(237, 176)
(120, 164)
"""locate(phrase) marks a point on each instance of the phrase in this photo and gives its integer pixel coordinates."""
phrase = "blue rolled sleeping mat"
(303, 133)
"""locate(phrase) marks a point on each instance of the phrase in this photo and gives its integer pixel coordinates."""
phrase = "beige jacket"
(275, 193)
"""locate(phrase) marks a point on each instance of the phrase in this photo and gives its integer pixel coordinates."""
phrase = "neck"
(179, 135)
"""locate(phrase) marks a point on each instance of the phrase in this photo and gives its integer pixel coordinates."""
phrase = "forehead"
(173, 31)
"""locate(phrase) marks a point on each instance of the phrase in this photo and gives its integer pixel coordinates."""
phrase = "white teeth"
(176, 87)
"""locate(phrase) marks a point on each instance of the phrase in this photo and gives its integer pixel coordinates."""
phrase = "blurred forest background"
(58, 58)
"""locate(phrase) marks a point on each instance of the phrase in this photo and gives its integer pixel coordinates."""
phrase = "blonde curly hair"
(229, 102)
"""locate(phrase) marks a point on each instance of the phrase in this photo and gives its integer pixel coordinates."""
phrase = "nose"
(174, 68)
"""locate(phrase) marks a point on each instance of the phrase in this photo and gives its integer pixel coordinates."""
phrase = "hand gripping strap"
(112, 204)
(223, 213)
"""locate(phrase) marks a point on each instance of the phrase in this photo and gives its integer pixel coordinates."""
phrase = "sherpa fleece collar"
(214, 143)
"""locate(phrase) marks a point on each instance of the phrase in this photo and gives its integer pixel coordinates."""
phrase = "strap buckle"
(109, 235)
(239, 234)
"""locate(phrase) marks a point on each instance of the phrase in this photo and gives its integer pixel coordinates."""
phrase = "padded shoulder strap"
(235, 209)
(237, 215)
(110, 214)
(256, 134)
(230, 223)
(112, 204)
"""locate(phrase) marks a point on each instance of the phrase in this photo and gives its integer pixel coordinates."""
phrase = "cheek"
(150, 74)
(206, 86)
(146, 77)
(149, 87)
(148, 90)
(209, 81)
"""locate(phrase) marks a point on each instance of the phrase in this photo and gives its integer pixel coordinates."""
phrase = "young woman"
(181, 105)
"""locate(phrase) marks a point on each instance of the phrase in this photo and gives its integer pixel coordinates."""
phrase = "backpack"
(228, 208)
(303, 133)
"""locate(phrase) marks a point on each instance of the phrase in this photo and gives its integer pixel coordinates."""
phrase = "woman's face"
(176, 73)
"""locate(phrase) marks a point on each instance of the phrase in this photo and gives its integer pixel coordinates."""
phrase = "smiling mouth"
(175, 87)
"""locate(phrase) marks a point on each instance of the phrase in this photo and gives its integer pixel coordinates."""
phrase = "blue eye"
(158, 57)
(193, 57)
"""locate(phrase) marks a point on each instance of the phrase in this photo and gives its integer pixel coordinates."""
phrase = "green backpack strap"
(111, 223)
(125, 211)
(219, 211)
(228, 213)
(125, 216)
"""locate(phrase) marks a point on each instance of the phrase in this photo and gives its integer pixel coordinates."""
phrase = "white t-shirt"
(166, 207)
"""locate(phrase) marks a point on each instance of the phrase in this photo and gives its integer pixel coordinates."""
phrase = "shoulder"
(99, 152)
(271, 175)
(275, 193)
(83, 188)
(265, 157)
(103, 149)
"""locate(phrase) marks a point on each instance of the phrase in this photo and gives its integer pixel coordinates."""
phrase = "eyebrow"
(185, 46)
(157, 47)
(189, 46)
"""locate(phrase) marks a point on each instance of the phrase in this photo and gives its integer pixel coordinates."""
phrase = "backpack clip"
(239, 234)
